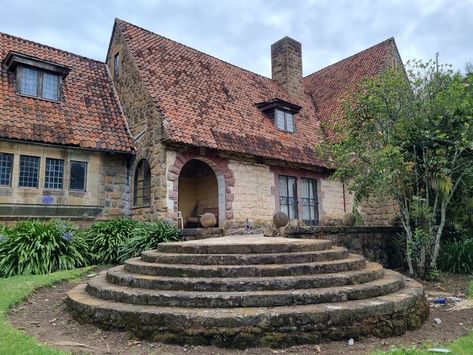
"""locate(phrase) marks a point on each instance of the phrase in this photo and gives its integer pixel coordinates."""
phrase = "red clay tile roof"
(88, 116)
(211, 103)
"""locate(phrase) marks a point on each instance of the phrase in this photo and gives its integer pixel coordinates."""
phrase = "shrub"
(457, 256)
(40, 247)
(147, 236)
(107, 238)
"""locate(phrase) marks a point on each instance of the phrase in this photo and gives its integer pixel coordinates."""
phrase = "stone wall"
(145, 124)
(335, 200)
(378, 211)
(106, 193)
(380, 244)
(254, 193)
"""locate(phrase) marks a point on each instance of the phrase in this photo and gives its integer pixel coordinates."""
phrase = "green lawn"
(13, 290)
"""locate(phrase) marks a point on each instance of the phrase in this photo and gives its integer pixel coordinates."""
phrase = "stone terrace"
(242, 291)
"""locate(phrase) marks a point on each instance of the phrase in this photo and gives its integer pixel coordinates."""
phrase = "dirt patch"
(45, 317)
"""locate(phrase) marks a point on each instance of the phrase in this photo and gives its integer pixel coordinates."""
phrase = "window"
(78, 175)
(310, 213)
(54, 174)
(142, 185)
(116, 65)
(29, 171)
(6, 163)
(288, 195)
(33, 82)
(284, 120)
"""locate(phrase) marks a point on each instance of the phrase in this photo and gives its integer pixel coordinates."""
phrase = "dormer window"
(281, 112)
(36, 78)
(284, 120)
(37, 83)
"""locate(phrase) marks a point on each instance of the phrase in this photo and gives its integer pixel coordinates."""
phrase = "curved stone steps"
(245, 245)
(138, 266)
(335, 253)
(328, 319)
(100, 288)
(119, 276)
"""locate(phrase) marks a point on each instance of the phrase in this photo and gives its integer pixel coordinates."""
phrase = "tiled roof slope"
(88, 116)
(208, 102)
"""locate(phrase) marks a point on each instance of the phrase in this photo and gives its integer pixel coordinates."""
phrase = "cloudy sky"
(241, 31)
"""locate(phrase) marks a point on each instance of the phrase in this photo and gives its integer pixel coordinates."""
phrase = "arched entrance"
(199, 192)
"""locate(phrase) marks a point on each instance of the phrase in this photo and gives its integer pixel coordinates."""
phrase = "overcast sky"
(241, 31)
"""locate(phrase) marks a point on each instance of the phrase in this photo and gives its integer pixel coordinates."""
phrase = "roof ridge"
(50, 47)
(195, 50)
(351, 56)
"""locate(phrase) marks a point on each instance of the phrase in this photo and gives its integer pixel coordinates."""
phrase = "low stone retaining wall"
(381, 244)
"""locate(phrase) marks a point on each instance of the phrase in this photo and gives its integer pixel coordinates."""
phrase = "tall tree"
(408, 135)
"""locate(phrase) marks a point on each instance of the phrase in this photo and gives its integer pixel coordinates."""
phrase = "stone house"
(200, 134)
(64, 144)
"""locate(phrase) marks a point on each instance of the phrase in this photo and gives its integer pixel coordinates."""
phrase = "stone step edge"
(259, 269)
(200, 247)
(180, 319)
(100, 288)
(153, 256)
(119, 274)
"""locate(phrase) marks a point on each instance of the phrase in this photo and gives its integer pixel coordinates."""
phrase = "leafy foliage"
(41, 247)
(457, 256)
(146, 236)
(408, 137)
(107, 238)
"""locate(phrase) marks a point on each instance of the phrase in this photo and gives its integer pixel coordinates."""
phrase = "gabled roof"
(88, 116)
(211, 103)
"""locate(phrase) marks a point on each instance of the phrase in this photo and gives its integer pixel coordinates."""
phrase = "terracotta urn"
(208, 220)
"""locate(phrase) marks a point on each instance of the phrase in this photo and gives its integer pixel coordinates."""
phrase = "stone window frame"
(142, 170)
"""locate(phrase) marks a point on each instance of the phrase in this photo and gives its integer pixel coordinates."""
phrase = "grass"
(470, 290)
(15, 289)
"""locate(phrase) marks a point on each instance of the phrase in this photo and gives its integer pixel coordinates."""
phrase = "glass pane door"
(309, 201)
(288, 195)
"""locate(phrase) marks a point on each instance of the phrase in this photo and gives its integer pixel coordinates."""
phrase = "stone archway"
(224, 179)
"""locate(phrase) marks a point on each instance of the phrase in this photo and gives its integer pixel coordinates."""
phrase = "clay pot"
(280, 219)
(208, 220)
(349, 220)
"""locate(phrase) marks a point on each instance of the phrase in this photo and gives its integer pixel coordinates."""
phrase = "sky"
(241, 31)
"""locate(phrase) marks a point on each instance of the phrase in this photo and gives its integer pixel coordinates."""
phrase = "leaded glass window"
(33, 82)
(6, 165)
(29, 171)
(142, 184)
(54, 177)
(284, 120)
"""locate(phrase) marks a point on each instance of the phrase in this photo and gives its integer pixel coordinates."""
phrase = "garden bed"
(45, 316)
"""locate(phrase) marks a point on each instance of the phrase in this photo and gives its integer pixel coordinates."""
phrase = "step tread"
(236, 259)
(138, 261)
(244, 243)
(118, 274)
(101, 288)
(396, 301)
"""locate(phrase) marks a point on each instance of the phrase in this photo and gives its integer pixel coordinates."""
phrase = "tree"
(408, 135)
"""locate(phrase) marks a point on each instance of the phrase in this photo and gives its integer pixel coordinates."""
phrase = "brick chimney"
(286, 65)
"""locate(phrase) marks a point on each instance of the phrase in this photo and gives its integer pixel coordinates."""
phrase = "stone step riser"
(305, 246)
(100, 289)
(381, 316)
(248, 259)
(243, 271)
(235, 285)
